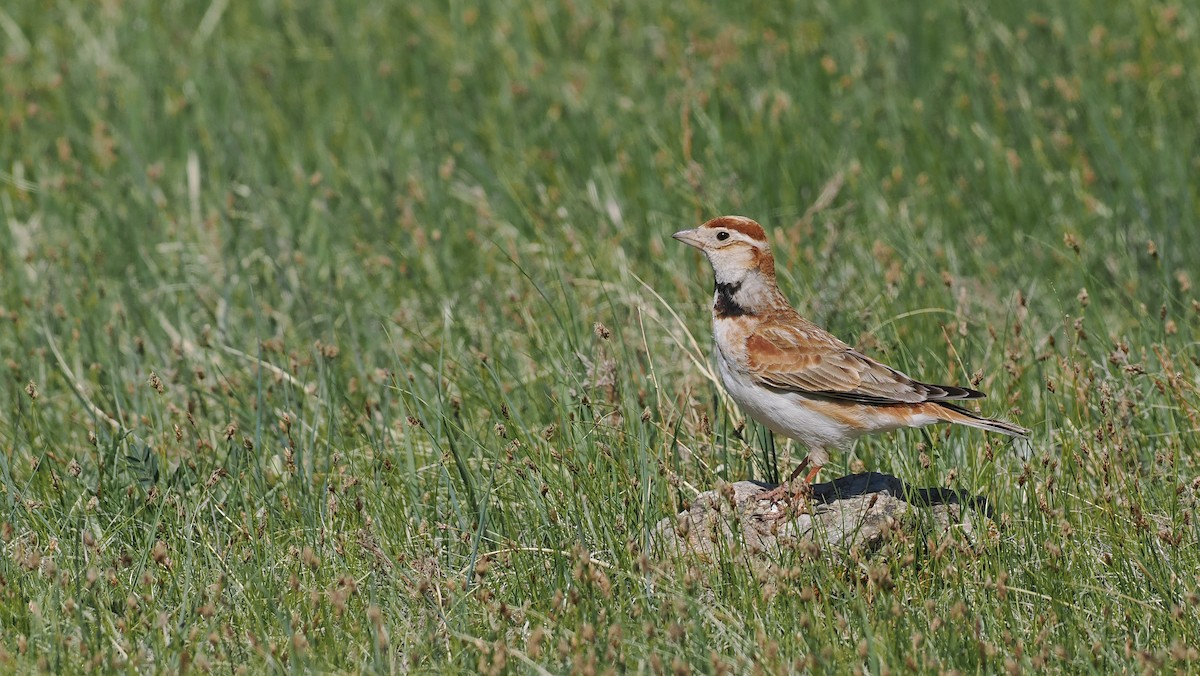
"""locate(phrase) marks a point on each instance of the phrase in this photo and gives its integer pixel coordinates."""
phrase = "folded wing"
(804, 358)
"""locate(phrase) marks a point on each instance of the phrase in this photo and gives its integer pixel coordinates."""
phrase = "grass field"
(351, 336)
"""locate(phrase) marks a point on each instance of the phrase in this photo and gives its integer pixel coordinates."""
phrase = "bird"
(796, 378)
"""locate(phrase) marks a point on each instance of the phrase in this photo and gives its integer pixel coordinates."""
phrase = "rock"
(851, 512)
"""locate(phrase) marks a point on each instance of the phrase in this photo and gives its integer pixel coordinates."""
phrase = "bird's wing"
(807, 359)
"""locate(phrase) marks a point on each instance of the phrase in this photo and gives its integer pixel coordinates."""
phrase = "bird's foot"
(772, 495)
(785, 489)
(787, 500)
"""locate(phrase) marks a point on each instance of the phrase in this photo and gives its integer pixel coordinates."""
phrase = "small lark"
(796, 378)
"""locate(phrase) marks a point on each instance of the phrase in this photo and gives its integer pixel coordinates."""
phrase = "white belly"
(783, 413)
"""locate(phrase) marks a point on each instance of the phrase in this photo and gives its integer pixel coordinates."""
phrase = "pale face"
(733, 254)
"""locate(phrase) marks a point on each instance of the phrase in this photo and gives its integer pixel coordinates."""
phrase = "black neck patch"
(725, 305)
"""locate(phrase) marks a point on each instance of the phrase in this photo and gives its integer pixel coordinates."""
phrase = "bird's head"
(736, 248)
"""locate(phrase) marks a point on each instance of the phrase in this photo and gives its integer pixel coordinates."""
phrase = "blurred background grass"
(299, 303)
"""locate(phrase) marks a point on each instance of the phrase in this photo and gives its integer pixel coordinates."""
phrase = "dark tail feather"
(960, 415)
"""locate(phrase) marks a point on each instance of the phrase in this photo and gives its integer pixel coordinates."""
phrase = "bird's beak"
(690, 238)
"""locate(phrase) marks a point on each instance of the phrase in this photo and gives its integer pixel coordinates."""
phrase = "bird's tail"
(957, 414)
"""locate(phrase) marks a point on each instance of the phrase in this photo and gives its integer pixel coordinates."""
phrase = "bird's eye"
(723, 235)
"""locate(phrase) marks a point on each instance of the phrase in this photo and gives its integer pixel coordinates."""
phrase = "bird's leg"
(778, 492)
(812, 474)
(783, 488)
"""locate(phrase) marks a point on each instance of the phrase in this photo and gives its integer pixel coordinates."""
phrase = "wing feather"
(804, 358)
